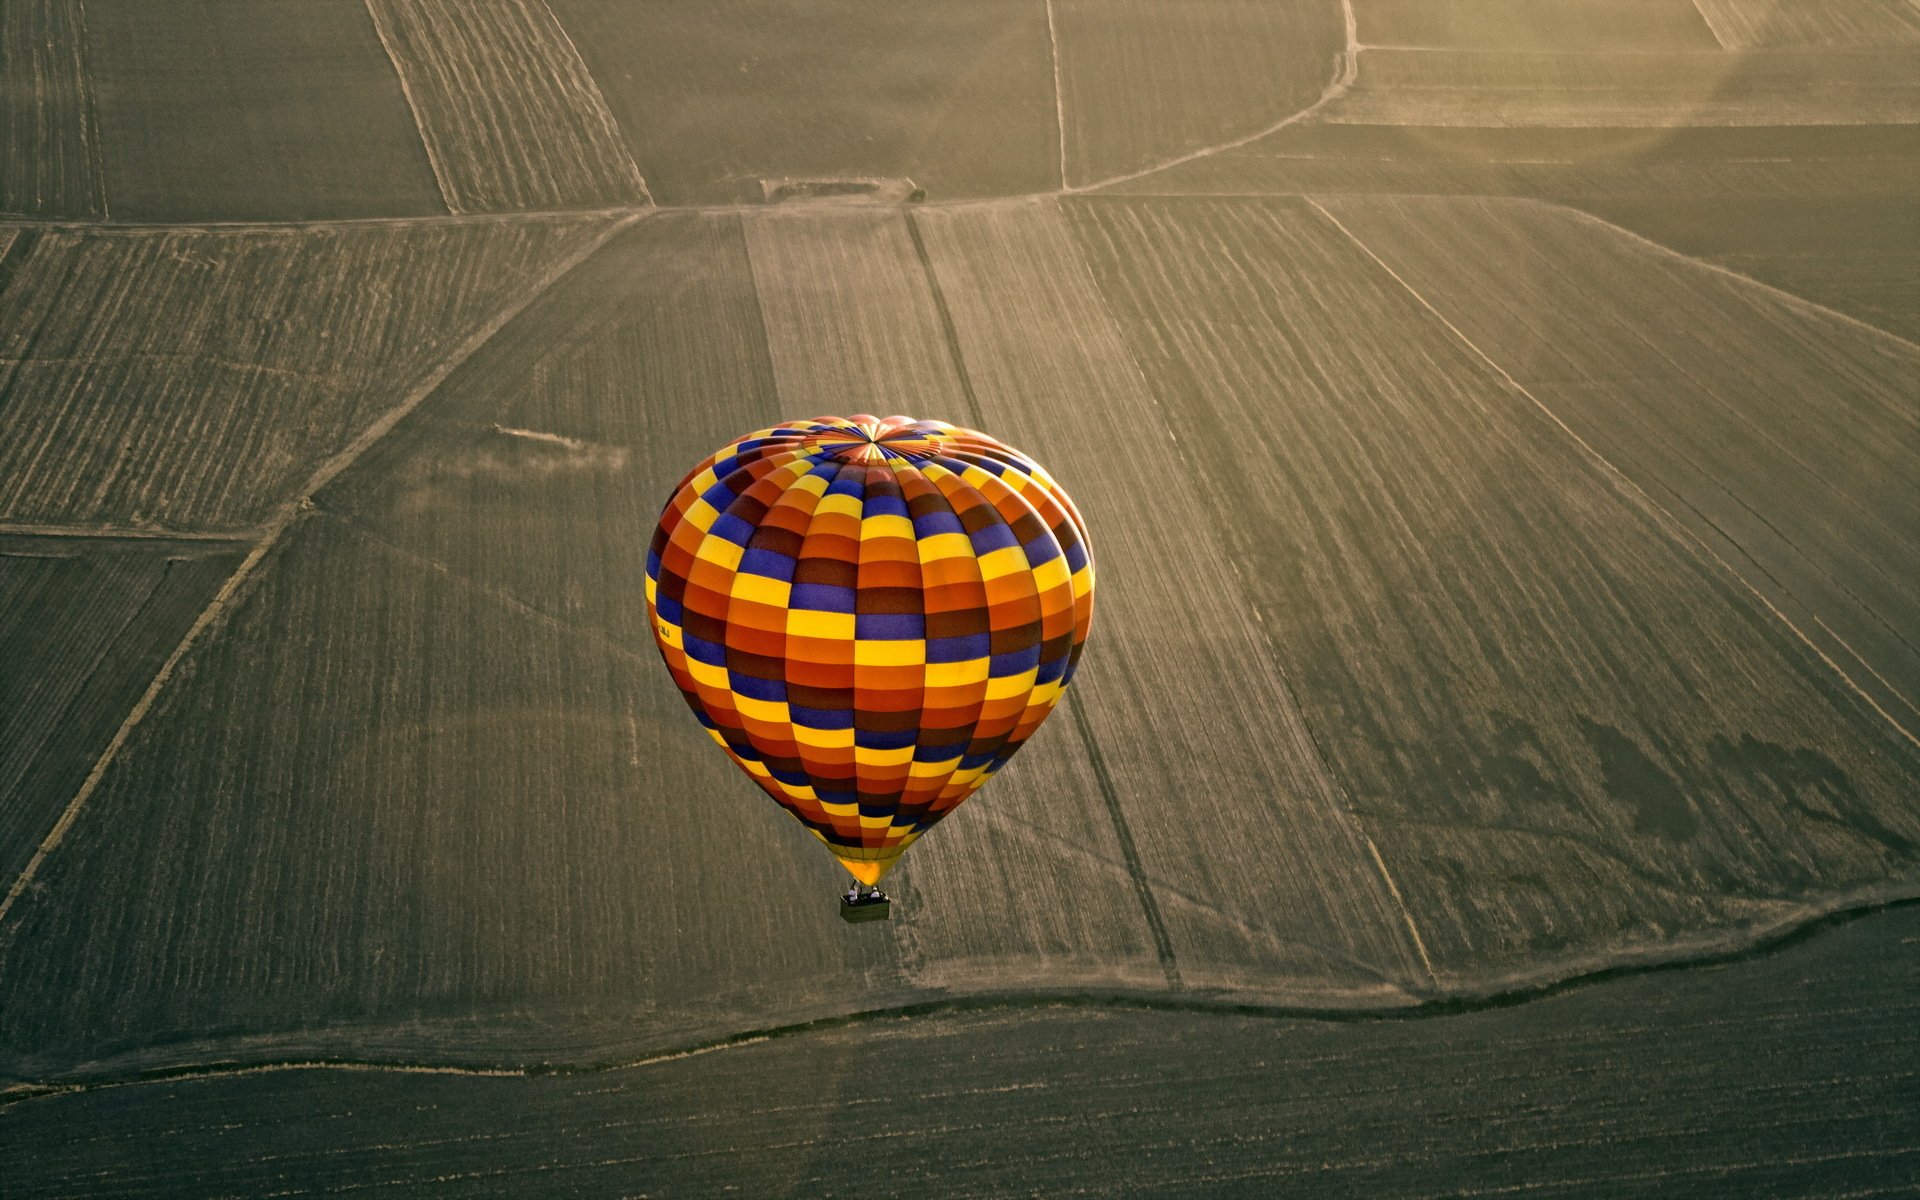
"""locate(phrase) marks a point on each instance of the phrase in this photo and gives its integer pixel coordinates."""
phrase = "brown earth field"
(1494, 766)
(1787, 1074)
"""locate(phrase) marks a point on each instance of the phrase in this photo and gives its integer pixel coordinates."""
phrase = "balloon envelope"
(870, 615)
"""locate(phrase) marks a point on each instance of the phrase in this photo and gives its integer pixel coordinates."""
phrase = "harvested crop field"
(509, 115)
(1786, 1075)
(49, 136)
(149, 378)
(714, 97)
(1633, 89)
(85, 623)
(1512, 736)
(1567, 25)
(251, 110)
(1784, 438)
(1142, 82)
(1497, 426)
(1457, 782)
(1743, 24)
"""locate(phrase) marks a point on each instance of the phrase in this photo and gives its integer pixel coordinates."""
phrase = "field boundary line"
(413, 108)
(1129, 852)
(1406, 914)
(1621, 479)
(1342, 80)
(1781, 294)
(116, 533)
(1707, 20)
(603, 112)
(1059, 96)
(270, 534)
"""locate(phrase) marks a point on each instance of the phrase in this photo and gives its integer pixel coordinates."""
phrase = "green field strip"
(252, 109)
(1029, 883)
(1573, 25)
(1572, 735)
(191, 379)
(510, 117)
(1143, 82)
(1788, 1074)
(1444, 87)
(1787, 432)
(714, 97)
(49, 134)
(1747, 24)
(1264, 883)
(84, 624)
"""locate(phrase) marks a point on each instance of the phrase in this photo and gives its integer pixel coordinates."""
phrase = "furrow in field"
(1264, 881)
(190, 379)
(510, 115)
(1573, 736)
(1787, 438)
(49, 138)
(1142, 82)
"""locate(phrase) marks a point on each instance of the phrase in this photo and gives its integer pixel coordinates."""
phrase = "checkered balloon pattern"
(870, 615)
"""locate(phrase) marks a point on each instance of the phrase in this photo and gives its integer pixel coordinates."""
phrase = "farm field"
(1784, 438)
(509, 115)
(1450, 654)
(1498, 428)
(470, 850)
(1858, 254)
(251, 110)
(1141, 82)
(1831, 213)
(1305, 909)
(1436, 775)
(49, 136)
(1632, 89)
(188, 379)
(1519, 25)
(714, 97)
(560, 420)
(84, 625)
(1743, 24)
(1786, 1074)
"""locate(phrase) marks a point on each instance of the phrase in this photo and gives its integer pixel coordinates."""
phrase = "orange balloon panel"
(870, 615)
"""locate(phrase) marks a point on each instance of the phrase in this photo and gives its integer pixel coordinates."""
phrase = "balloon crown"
(866, 439)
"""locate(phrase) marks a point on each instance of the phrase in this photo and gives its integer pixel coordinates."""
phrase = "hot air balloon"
(870, 615)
